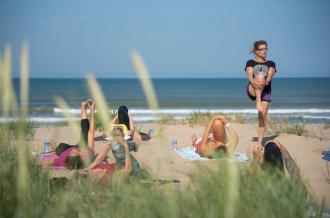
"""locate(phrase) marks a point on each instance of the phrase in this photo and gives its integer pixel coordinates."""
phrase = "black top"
(262, 68)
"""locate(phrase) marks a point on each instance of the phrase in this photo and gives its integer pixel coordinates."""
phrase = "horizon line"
(293, 77)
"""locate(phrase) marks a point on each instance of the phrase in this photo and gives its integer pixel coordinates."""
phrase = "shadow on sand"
(265, 139)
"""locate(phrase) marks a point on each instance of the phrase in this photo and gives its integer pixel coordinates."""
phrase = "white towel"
(190, 154)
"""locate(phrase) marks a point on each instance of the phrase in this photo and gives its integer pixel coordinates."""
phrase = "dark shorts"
(266, 95)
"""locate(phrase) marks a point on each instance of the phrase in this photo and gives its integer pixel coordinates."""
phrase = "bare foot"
(193, 139)
(84, 104)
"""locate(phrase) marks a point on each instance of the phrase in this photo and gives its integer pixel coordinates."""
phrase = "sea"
(293, 99)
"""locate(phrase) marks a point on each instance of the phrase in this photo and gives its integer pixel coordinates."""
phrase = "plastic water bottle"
(174, 143)
(151, 132)
(46, 145)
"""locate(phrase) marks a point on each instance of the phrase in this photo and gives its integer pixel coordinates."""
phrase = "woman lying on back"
(274, 154)
(210, 146)
(102, 171)
(76, 156)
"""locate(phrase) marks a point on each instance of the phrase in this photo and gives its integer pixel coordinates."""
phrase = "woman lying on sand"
(219, 141)
(103, 171)
(276, 155)
(75, 156)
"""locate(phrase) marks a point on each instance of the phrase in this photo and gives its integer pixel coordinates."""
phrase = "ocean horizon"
(297, 99)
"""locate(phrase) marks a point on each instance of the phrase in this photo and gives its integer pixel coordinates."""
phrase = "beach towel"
(190, 154)
(45, 156)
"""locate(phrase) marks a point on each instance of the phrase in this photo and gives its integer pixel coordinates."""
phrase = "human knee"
(218, 124)
(259, 78)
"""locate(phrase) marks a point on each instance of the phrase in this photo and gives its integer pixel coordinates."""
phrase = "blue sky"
(186, 38)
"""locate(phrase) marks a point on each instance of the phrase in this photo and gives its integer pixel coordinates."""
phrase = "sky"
(177, 39)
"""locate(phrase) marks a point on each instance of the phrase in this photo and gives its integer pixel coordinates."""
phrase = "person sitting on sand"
(101, 170)
(75, 156)
(275, 154)
(210, 146)
(122, 117)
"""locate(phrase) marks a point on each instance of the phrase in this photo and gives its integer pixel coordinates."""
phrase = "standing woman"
(260, 72)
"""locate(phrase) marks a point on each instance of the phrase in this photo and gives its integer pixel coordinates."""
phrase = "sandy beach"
(157, 156)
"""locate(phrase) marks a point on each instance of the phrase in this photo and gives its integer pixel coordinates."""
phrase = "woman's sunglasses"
(262, 49)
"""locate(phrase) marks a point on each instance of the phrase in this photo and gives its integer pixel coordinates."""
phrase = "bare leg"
(259, 78)
(91, 131)
(218, 129)
(252, 90)
(262, 116)
(137, 139)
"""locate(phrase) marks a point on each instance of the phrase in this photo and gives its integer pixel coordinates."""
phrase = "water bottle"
(174, 143)
(46, 145)
(151, 132)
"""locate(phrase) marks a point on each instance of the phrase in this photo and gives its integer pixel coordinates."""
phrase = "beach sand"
(157, 156)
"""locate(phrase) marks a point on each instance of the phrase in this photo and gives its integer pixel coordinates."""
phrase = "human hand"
(257, 152)
(258, 84)
(84, 104)
(109, 144)
(91, 104)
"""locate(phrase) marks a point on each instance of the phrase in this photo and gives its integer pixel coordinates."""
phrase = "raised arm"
(128, 162)
(270, 75)
(132, 126)
(91, 131)
(114, 119)
(233, 137)
(100, 157)
(249, 73)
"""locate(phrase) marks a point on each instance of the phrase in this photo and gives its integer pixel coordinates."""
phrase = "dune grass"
(168, 120)
(199, 118)
(18, 124)
(284, 127)
(240, 118)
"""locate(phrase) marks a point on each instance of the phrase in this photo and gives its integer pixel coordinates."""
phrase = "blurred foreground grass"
(261, 194)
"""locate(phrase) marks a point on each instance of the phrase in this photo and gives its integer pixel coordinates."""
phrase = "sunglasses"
(262, 49)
